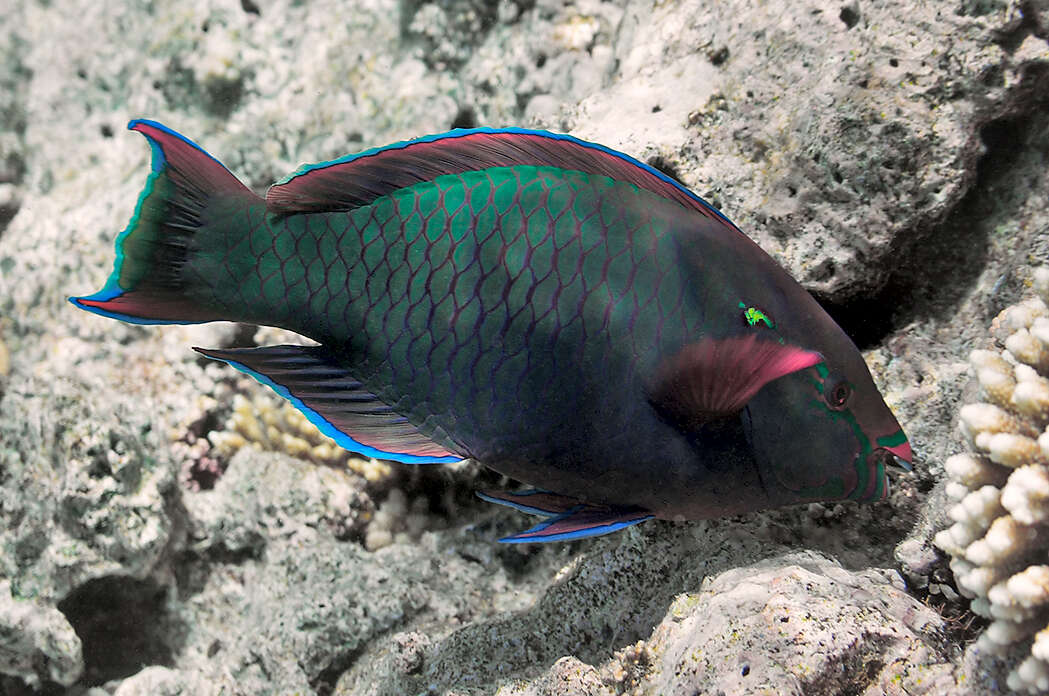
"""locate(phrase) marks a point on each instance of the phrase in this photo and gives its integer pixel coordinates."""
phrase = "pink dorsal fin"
(357, 180)
(716, 377)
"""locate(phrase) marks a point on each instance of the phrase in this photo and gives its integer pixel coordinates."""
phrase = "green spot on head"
(753, 316)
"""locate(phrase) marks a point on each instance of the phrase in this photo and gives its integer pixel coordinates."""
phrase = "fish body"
(549, 307)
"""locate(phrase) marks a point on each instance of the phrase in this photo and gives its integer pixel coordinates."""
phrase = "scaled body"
(549, 307)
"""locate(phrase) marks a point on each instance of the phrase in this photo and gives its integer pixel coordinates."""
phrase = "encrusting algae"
(1000, 535)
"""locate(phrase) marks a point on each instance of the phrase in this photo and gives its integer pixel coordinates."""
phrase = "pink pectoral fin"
(716, 377)
(903, 451)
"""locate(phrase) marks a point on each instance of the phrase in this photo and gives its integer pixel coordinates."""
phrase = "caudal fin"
(148, 285)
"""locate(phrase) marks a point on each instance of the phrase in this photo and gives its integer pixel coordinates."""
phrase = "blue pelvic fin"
(314, 380)
(568, 518)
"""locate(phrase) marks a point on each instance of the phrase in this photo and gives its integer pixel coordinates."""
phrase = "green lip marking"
(897, 438)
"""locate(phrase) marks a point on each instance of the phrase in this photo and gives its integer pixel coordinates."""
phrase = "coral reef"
(39, 644)
(797, 624)
(758, 619)
(1000, 536)
(397, 519)
(5, 359)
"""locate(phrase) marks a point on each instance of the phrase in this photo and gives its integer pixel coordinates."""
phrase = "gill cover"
(816, 436)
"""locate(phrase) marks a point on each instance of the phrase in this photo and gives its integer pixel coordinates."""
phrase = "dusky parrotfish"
(557, 310)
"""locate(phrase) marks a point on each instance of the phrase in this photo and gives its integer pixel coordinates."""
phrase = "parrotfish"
(557, 310)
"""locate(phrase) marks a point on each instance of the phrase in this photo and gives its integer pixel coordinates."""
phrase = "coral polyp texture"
(1000, 536)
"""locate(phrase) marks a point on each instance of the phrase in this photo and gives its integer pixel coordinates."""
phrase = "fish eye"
(838, 395)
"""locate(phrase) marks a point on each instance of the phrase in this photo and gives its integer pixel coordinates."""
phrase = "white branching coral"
(999, 542)
(398, 519)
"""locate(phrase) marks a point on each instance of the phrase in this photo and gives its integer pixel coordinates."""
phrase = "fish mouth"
(897, 465)
(901, 455)
(892, 465)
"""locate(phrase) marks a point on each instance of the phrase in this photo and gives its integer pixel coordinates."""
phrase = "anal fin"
(568, 518)
(315, 382)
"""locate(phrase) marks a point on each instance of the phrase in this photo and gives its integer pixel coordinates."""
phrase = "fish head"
(816, 426)
(825, 433)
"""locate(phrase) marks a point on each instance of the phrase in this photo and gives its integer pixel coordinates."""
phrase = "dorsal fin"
(314, 381)
(357, 180)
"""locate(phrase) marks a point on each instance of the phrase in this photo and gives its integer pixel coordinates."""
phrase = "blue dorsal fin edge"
(457, 133)
(343, 439)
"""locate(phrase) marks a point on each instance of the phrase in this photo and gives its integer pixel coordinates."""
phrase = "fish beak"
(897, 466)
(902, 454)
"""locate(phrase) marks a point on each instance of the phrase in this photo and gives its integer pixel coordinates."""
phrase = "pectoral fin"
(716, 377)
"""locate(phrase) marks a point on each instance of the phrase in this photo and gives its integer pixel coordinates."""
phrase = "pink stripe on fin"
(357, 180)
(586, 521)
(190, 166)
(147, 305)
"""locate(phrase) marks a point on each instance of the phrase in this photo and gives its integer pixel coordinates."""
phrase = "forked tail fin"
(182, 195)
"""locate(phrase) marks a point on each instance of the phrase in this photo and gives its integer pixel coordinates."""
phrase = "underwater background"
(168, 527)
